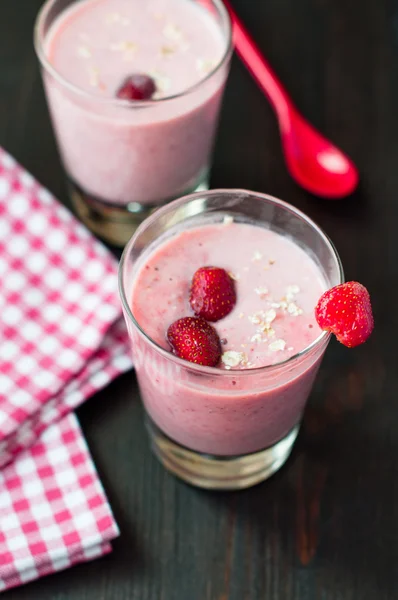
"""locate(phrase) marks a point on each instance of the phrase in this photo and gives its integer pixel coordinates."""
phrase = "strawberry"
(195, 340)
(345, 310)
(212, 294)
(137, 87)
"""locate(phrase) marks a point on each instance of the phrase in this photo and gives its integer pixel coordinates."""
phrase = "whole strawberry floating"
(346, 311)
(137, 87)
(212, 294)
(195, 340)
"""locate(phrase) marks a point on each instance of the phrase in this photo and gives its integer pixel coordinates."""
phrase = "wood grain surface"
(326, 526)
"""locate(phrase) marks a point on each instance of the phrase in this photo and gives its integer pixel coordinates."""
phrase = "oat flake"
(233, 276)
(256, 338)
(294, 310)
(257, 256)
(291, 292)
(172, 32)
(84, 52)
(231, 358)
(205, 66)
(277, 345)
(261, 291)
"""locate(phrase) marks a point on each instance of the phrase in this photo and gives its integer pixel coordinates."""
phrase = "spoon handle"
(255, 62)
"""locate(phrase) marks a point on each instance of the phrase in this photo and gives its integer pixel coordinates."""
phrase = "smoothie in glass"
(125, 156)
(234, 424)
(277, 286)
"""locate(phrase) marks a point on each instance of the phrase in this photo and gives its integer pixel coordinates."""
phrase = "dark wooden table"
(326, 526)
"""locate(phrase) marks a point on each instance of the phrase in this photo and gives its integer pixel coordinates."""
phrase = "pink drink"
(135, 154)
(278, 285)
(234, 425)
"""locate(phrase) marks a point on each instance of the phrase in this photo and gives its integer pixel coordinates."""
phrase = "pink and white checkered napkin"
(53, 510)
(61, 339)
(61, 333)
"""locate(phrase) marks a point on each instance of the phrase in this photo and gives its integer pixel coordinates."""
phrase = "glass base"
(115, 223)
(217, 472)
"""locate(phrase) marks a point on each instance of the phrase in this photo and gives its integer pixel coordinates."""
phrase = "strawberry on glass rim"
(345, 310)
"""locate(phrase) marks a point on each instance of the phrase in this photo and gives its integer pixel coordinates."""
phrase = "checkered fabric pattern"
(53, 510)
(62, 338)
(109, 361)
(60, 329)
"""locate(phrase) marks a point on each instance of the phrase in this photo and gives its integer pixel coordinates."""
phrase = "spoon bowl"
(314, 162)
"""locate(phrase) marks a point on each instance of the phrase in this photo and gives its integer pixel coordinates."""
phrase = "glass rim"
(38, 42)
(323, 337)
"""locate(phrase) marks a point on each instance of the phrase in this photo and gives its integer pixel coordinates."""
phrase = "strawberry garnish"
(137, 87)
(213, 294)
(195, 340)
(345, 310)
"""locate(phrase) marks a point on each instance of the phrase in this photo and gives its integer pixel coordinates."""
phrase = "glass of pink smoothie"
(234, 425)
(126, 156)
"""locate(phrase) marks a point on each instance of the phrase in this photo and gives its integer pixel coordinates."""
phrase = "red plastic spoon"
(313, 161)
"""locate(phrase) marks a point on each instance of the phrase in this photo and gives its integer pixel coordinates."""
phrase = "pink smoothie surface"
(278, 285)
(96, 44)
(120, 154)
